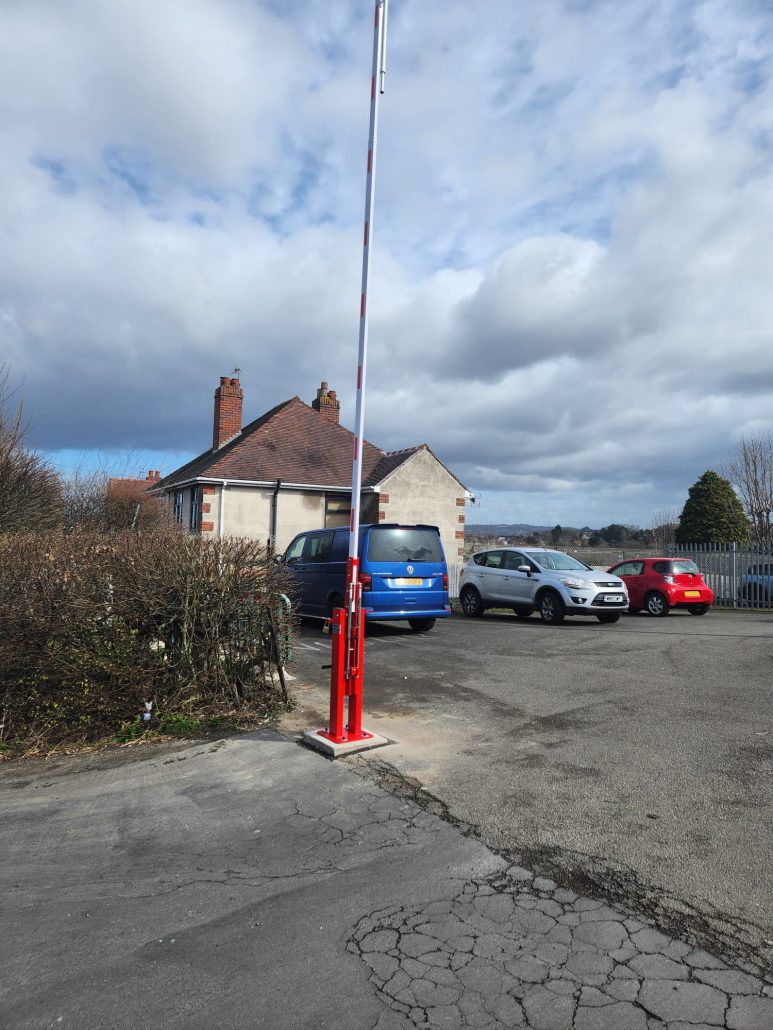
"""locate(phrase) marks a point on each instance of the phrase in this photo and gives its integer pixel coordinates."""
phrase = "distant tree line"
(736, 506)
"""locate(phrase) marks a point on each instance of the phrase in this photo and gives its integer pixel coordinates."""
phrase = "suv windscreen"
(556, 560)
(404, 545)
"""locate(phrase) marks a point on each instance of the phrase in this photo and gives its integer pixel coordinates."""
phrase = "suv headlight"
(578, 584)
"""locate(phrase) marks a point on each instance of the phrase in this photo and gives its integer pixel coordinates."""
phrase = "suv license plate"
(613, 598)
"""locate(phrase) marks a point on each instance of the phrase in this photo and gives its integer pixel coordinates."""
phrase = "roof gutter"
(267, 483)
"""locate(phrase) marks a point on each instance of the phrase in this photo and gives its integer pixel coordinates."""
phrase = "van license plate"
(408, 582)
(692, 593)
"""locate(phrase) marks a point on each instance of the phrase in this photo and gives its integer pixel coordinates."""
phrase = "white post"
(376, 88)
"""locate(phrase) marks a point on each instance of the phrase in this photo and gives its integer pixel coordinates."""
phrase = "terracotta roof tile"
(123, 487)
(292, 442)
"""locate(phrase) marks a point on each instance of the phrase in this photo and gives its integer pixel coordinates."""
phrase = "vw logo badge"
(409, 568)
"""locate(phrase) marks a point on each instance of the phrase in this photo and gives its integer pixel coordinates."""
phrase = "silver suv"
(554, 583)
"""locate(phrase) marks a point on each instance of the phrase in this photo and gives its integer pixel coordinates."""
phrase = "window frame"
(338, 510)
(194, 517)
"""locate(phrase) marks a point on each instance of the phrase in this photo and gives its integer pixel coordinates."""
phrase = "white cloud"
(571, 276)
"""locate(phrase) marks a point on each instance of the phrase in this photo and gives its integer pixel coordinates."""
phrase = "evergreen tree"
(713, 513)
(555, 534)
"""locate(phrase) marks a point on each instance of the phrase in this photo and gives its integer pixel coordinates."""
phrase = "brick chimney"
(228, 411)
(327, 404)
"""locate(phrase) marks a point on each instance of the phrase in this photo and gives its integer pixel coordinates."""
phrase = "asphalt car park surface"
(632, 760)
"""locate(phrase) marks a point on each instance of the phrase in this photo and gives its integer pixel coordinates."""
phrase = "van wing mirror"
(279, 559)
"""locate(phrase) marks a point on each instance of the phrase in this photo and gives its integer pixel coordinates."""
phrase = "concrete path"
(252, 883)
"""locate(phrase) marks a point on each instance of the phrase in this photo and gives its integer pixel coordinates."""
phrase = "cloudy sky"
(572, 278)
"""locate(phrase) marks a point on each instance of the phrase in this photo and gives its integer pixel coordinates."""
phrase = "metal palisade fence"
(740, 575)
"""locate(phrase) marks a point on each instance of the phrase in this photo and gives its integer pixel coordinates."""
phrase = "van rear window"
(404, 545)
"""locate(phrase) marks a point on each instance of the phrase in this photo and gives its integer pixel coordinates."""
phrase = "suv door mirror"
(524, 568)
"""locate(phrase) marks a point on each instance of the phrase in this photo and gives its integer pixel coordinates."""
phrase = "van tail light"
(366, 580)
(445, 581)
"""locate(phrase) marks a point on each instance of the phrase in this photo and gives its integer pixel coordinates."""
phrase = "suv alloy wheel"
(471, 603)
(551, 608)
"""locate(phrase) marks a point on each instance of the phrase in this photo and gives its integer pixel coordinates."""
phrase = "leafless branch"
(750, 470)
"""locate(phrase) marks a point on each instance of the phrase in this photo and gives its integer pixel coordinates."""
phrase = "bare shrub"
(663, 528)
(96, 502)
(750, 470)
(92, 626)
(30, 497)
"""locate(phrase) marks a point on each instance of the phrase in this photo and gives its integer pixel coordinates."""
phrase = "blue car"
(402, 569)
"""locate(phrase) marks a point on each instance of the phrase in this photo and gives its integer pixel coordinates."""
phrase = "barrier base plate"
(315, 739)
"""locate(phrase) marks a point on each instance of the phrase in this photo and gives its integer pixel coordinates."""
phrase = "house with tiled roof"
(291, 470)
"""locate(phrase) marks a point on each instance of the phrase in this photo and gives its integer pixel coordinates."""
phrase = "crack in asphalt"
(589, 874)
(516, 950)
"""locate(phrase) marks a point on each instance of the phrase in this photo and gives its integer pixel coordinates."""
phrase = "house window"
(195, 523)
(338, 511)
(178, 503)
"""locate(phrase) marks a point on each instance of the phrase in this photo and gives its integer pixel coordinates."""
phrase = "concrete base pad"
(315, 739)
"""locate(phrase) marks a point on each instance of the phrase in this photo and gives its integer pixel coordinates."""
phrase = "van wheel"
(421, 625)
(336, 601)
(551, 608)
(472, 605)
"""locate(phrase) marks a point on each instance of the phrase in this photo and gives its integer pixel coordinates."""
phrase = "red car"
(660, 584)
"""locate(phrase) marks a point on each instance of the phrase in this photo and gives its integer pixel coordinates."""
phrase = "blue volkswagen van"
(402, 569)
